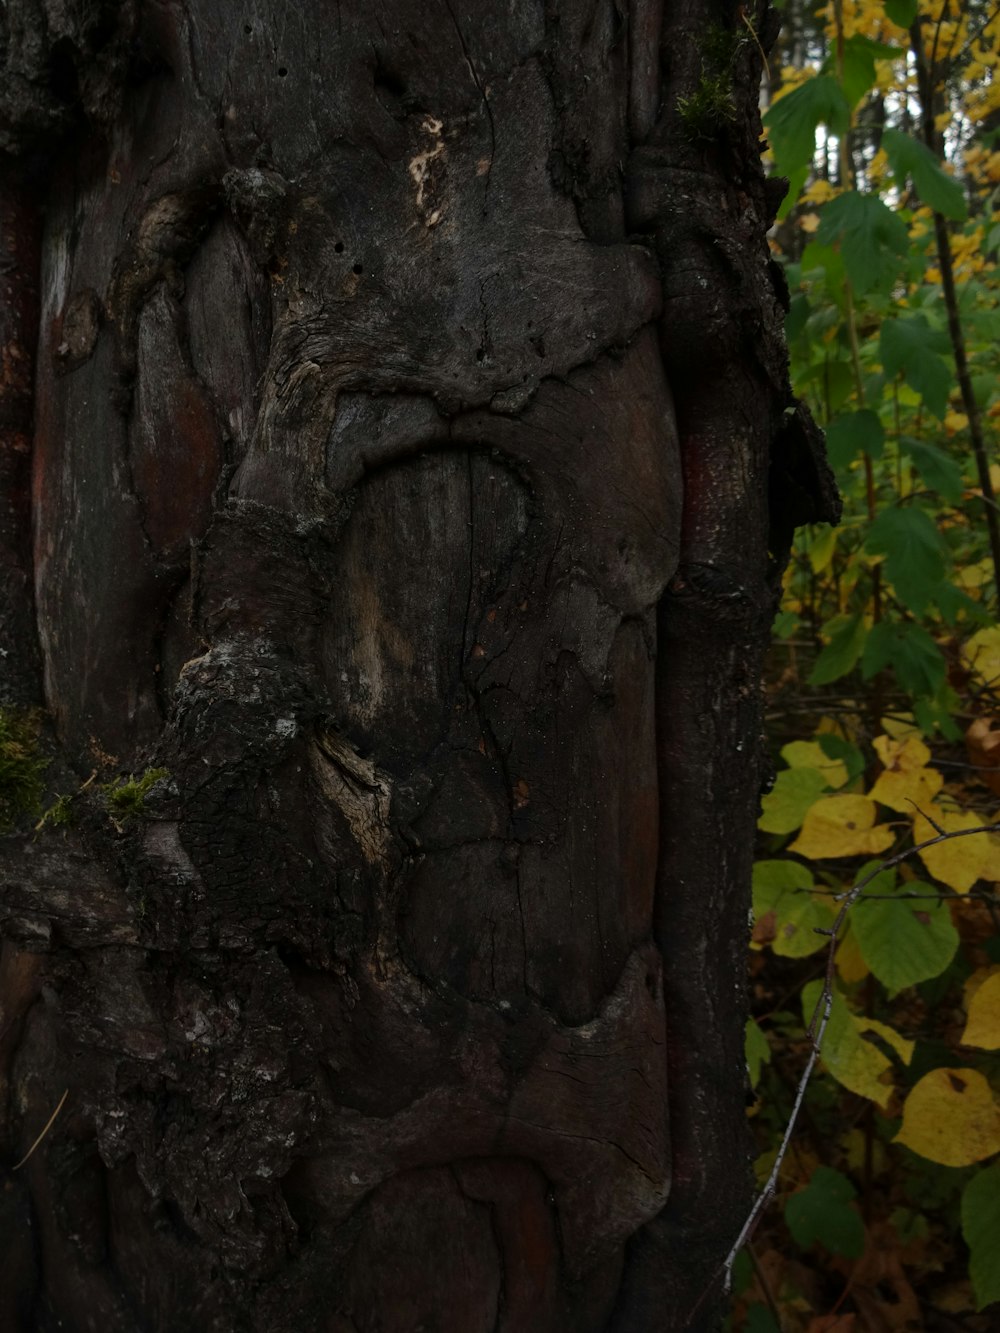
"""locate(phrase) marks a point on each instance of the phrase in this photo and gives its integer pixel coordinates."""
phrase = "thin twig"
(930, 818)
(896, 897)
(814, 1034)
(765, 1287)
(850, 896)
(48, 1125)
(753, 33)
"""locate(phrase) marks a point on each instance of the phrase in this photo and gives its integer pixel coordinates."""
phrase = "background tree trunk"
(408, 388)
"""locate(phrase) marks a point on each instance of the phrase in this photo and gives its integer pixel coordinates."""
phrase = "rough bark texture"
(413, 466)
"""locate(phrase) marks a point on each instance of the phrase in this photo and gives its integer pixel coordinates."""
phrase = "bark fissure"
(486, 103)
(368, 367)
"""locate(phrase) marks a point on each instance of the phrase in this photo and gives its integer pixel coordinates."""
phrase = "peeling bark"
(412, 472)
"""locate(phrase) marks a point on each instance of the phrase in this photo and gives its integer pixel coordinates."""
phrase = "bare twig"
(814, 1033)
(930, 818)
(48, 1125)
(765, 1287)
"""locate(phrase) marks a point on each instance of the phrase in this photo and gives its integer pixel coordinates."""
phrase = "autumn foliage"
(885, 687)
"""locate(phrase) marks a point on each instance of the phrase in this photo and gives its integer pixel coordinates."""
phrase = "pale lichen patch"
(427, 169)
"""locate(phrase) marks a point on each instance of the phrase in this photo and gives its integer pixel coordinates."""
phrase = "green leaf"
(796, 183)
(847, 640)
(742, 1273)
(910, 651)
(791, 121)
(934, 714)
(785, 624)
(784, 888)
(909, 157)
(838, 748)
(835, 380)
(798, 313)
(981, 1229)
(984, 387)
(822, 1212)
(903, 941)
(773, 879)
(784, 807)
(822, 270)
(799, 920)
(914, 553)
(953, 602)
(853, 433)
(941, 473)
(760, 1319)
(902, 12)
(909, 344)
(873, 239)
(859, 57)
(758, 1052)
(822, 545)
(849, 1052)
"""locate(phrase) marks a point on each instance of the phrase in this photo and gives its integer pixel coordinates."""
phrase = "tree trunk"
(412, 469)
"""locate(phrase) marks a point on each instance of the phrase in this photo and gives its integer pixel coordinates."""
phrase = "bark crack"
(486, 103)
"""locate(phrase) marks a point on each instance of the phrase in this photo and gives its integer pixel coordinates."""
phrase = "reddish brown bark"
(412, 477)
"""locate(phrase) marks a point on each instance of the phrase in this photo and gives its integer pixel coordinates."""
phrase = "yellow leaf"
(903, 753)
(841, 826)
(981, 974)
(848, 726)
(903, 1046)
(819, 192)
(809, 222)
(982, 654)
(960, 862)
(850, 964)
(904, 790)
(974, 576)
(853, 1060)
(821, 549)
(810, 754)
(983, 1026)
(794, 792)
(859, 1146)
(950, 1117)
(900, 727)
(955, 421)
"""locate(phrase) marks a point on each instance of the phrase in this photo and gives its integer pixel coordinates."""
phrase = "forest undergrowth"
(884, 689)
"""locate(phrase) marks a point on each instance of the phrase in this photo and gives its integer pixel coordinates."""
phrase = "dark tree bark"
(402, 394)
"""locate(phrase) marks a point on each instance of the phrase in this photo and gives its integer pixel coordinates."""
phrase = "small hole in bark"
(282, 71)
(291, 957)
(62, 71)
(339, 247)
(480, 354)
(539, 345)
(102, 31)
(358, 269)
(172, 1217)
(247, 29)
(388, 80)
